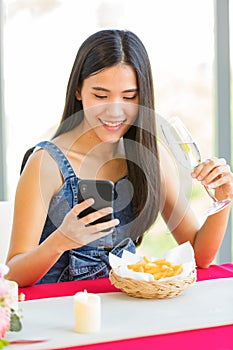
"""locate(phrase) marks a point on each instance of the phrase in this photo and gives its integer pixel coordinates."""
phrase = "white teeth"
(112, 123)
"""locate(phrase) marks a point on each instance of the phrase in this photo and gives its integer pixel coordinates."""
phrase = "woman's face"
(110, 101)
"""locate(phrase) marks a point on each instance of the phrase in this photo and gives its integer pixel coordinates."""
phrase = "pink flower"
(5, 309)
(6, 312)
(3, 288)
(5, 297)
(4, 321)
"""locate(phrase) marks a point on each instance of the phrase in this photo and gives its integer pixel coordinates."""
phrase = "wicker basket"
(154, 289)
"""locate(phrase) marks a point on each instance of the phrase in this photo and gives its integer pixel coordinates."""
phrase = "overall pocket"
(87, 265)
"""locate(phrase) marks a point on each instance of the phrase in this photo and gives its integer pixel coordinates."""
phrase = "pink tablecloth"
(217, 338)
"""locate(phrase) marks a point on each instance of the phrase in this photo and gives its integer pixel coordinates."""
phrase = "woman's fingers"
(219, 176)
(80, 230)
(96, 215)
(210, 169)
(81, 234)
(215, 173)
(97, 228)
(78, 208)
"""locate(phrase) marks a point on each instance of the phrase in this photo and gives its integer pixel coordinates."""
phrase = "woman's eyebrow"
(99, 88)
(131, 90)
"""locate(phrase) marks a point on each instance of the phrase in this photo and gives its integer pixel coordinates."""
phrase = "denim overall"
(89, 261)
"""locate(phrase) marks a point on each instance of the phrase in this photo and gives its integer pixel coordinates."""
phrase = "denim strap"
(63, 163)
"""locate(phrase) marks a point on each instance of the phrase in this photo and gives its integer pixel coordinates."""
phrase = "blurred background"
(40, 42)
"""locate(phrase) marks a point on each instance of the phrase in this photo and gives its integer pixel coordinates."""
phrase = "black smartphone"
(102, 191)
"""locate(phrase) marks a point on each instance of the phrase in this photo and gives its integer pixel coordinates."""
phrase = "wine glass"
(187, 153)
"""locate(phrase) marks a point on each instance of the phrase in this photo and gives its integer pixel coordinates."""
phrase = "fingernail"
(109, 209)
(90, 201)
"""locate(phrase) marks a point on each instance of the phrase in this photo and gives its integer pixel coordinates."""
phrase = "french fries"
(159, 268)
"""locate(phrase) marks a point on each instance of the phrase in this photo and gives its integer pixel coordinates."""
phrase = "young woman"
(107, 132)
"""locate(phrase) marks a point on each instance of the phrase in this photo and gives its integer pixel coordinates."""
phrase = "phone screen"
(102, 191)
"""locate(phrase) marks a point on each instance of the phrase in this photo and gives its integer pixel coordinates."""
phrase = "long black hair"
(107, 48)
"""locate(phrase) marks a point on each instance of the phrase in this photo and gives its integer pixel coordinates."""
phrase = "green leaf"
(15, 323)
(3, 343)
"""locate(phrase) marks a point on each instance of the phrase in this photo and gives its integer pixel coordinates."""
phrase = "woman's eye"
(100, 96)
(130, 98)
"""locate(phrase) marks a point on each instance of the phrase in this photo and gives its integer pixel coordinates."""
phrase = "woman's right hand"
(79, 230)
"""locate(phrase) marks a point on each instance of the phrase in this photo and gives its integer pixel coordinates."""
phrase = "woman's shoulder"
(33, 155)
(43, 171)
(41, 163)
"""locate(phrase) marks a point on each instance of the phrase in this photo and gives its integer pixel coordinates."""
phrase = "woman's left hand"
(215, 174)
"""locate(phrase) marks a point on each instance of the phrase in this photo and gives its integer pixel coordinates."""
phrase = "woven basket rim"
(152, 289)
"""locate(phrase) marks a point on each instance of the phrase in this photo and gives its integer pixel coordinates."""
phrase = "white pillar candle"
(13, 290)
(87, 312)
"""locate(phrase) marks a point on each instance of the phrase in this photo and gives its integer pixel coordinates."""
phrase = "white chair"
(6, 216)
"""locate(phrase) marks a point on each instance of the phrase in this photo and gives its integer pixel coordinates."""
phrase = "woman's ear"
(78, 95)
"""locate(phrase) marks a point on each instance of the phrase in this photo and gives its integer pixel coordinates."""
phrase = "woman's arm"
(27, 259)
(178, 215)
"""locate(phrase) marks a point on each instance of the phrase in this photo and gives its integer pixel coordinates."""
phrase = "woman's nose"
(115, 109)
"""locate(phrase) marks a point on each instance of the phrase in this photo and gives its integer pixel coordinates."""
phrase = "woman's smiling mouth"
(113, 125)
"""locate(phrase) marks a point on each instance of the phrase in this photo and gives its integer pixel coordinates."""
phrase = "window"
(40, 42)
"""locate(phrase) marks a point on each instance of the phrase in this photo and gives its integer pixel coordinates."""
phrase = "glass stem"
(210, 194)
